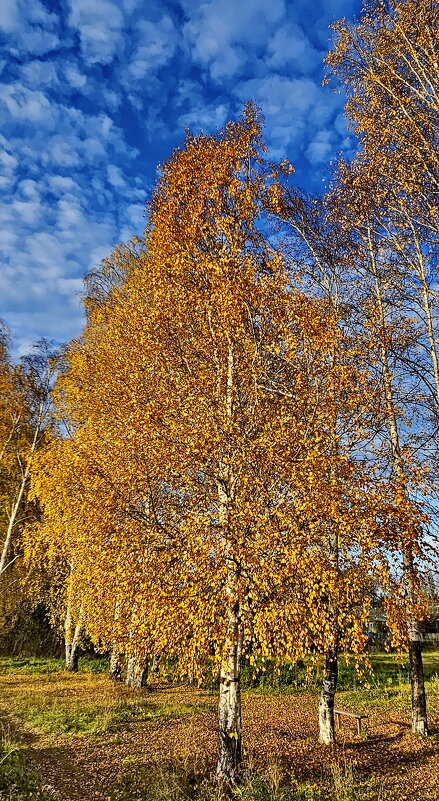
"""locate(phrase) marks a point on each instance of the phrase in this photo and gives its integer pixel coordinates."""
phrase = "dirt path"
(278, 728)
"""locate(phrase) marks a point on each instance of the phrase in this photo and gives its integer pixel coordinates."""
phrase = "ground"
(85, 735)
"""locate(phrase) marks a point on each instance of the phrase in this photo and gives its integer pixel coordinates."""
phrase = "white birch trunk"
(418, 698)
(16, 506)
(72, 631)
(72, 637)
(137, 672)
(155, 666)
(11, 524)
(115, 668)
(431, 337)
(229, 706)
(330, 667)
(327, 696)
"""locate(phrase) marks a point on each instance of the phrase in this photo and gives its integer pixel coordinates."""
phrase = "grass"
(43, 665)
(59, 719)
(391, 695)
(30, 665)
(67, 704)
(69, 715)
(175, 782)
(137, 745)
(17, 782)
(388, 670)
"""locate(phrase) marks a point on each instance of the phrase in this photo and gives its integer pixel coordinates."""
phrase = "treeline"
(245, 444)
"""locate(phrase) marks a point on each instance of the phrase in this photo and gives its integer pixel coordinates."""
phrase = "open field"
(84, 738)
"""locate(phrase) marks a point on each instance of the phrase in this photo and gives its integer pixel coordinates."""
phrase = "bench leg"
(359, 726)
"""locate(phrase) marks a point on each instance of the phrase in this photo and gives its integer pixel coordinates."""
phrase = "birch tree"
(388, 310)
(28, 407)
(180, 425)
(324, 258)
(388, 62)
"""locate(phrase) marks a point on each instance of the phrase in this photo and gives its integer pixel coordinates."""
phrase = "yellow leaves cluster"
(205, 472)
(389, 66)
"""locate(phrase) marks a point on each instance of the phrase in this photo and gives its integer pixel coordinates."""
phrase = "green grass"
(54, 717)
(97, 664)
(386, 664)
(65, 721)
(392, 695)
(17, 781)
(70, 714)
(175, 782)
(30, 665)
(389, 686)
(387, 671)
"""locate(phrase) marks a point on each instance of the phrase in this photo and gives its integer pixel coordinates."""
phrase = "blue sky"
(96, 92)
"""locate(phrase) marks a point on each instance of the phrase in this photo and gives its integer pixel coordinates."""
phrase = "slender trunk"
(330, 666)
(72, 646)
(419, 708)
(229, 706)
(4, 564)
(115, 671)
(431, 336)
(229, 709)
(327, 694)
(417, 685)
(12, 520)
(71, 632)
(427, 303)
(418, 699)
(137, 672)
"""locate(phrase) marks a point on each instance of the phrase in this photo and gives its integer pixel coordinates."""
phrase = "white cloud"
(320, 148)
(74, 77)
(298, 113)
(59, 213)
(28, 211)
(278, 94)
(68, 182)
(100, 25)
(61, 183)
(221, 33)
(38, 41)
(31, 27)
(28, 189)
(205, 117)
(290, 47)
(340, 124)
(8, 15)
(115, 177)
(8, 161)
(157, 43)
(135, 215)
(70, 286)
(37, 74)
(25, 105)
(37, 13)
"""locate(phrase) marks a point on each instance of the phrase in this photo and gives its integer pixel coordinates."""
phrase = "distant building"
(377, 629)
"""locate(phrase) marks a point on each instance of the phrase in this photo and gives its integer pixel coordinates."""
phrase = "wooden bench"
(339, 712)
